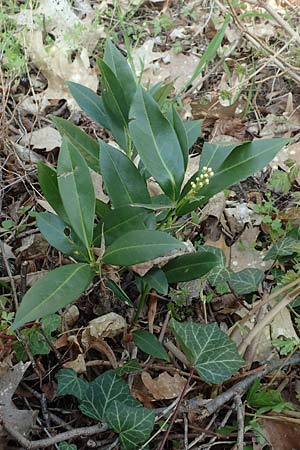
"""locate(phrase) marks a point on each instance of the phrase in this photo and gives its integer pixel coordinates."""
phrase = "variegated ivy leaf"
(102, 392)
(68, 383)
(284, 247)
(208, 349)
(246, 281)
(219, 275)
(134, 425)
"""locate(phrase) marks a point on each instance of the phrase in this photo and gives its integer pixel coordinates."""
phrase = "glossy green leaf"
(65, 446)
(189, 267)
(285, 247)
(77, 191)
(48, 182)
(180, 131)
(119, 293)
(53, 292)
(156, 142)
(213, 155)
(193, 131)
(157, 280)
(123, 182)
(208, 349)
(209, 53)
(86, 145)
(60, 236)
(139, 246)
(101, 209)
(90, 103)
(161, 91)
(243, 161)
(149, 344)
(134, 425)
(123, 219)
(68, 383)
(246, 281)
(121, 69)
(101, 392)
(115, 103)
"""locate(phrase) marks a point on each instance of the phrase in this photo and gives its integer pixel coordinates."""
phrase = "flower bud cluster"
(201, 180)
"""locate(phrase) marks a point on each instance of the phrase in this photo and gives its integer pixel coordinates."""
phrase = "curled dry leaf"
(46, 138)
(143, 268)
(21, 420)
(56, 65)
(109, 325)
(165, 386)
(78, 364)
(98, 186)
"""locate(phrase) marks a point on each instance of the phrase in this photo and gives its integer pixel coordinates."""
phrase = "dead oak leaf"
(165, 386)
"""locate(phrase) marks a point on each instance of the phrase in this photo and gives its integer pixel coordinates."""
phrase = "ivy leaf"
(284, 247)
(65, 446)
(149, 344)
(129, 367)
(102, 392)
(134, 425)
(246, 281)
(208, 349)
(219, 275)
(68, 383)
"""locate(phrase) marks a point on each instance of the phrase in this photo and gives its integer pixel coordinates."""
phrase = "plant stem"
(140, 305)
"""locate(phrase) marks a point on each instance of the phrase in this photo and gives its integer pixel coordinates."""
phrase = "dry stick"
(285, 25)
(264, 301)
(266, 320)
(213, 405)
(19, 335)
(165, 438)
(240, 421)
(283, 65)
(47, 442)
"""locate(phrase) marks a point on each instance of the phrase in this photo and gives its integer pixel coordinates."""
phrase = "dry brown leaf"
(214, 110)
(152, 308)
(109, 325)
(165, 386)
(56, 65)
(103, 347)
(142, 268)
(281, 435)
(46, 138)
(21, 420)
(144, 57)
(178, 67)
(243, 255)
(70, 317)
(44, 204)
(78, 364)
(214, 208)
(98, 186)
(229, 127)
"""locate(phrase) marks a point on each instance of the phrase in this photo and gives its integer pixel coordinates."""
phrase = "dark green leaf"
(157, 143)
(118, 64)
(246, 281)
(134, 425)
(161, 91)
(131, 366)
(49, 185)
(189, 267)
(149, 344)
(68, 383)
(179, 128)
(208, 349)
(65, 446)
(101, 209)
(101, 392)
(193, 131)
(115, 104)
(219, 275)
(123, 182)
(60, 236)
(77, 191)
(52, 292)
(284, 247)
(87, 146)
(242, 162)
(119, 293)
(90, 103)
(123, 219)
(157, 280)
(139, 246)
(213, 155)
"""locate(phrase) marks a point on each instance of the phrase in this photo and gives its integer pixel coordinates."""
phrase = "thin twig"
(165, 438)
(240, 421)
(47, 442)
